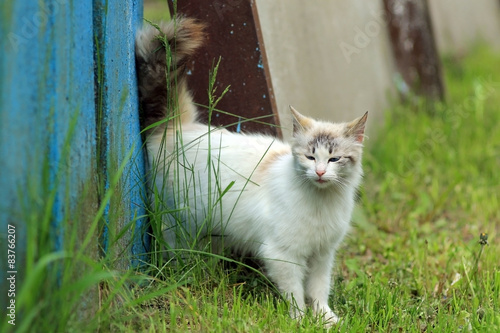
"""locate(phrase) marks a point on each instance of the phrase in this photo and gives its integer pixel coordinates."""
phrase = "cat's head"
(328, 154)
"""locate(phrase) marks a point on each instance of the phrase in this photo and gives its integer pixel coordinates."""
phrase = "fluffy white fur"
(289, 204)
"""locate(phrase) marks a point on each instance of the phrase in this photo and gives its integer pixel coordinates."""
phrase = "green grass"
(412, 263)
(432, 186)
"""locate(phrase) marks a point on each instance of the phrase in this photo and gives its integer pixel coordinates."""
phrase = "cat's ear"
(300, 122)
(356, 128)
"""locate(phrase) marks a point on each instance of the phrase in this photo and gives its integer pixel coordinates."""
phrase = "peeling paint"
(238, 127)
(260, 64)
(50, 106)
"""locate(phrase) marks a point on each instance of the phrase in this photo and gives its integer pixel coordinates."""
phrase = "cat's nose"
(320, 172)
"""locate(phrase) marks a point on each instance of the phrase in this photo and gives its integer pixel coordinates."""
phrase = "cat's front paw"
(329, 317)
(296, 313)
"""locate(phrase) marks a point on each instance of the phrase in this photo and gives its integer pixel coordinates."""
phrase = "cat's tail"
(161, 54)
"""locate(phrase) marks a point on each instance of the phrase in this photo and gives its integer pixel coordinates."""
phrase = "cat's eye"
(334, 159)
(310, 158)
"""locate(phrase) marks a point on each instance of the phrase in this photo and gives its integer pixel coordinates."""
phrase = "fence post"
(115, 23)
(414, 48)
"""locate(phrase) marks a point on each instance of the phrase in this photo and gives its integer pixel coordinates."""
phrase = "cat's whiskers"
(342, 183)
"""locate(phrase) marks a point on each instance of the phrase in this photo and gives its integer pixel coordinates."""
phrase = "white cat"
(288, 204)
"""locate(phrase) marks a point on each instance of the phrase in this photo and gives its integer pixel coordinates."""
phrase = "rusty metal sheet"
(234, 36)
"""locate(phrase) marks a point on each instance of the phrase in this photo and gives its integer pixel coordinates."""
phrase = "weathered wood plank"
(68, 114)
(120, 142)
(47, 131)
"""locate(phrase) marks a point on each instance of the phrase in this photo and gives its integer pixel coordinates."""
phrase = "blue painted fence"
(70, 146)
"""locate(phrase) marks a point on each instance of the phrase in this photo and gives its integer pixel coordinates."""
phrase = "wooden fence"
(70, 145)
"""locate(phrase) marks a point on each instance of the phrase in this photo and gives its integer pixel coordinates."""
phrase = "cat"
(289, 204)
